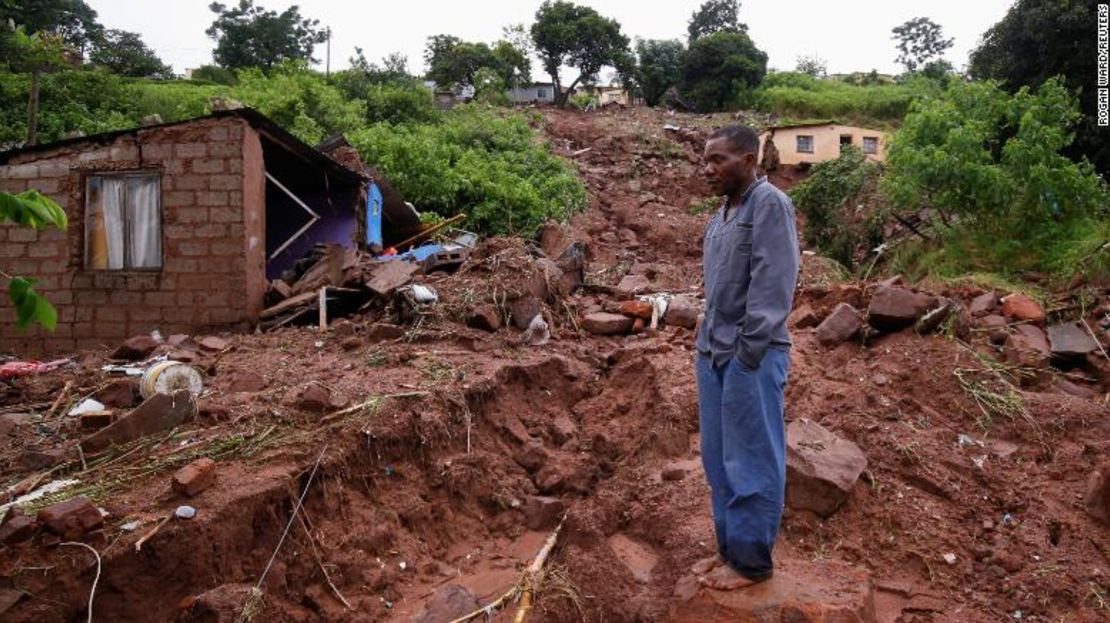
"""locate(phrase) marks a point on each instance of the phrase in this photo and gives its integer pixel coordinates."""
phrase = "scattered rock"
(632, 285)
(637, 309)
(72, 518)
(177, 339)
(17, 527)
(485, 317)
(996, 327)
(10, 422)
(563, 429)
(158, 413)
(800, 592)
(576, 475)
(96, 420)
(136, 348)
(1070, 340)
(638, 326)
(1065, 386)
(314, 397)
(896, 280)
(682, 312)
(1097, 499)
(8, 598)
(447, 604)
(842, 324)
(1027, 347)
(381, 331)
(1021, 307)
(603, 323)
(532, 456)
(983, 304)
(119, 394)
(248, 382)
(893, 309)
(541, 512)
(212, 343)
(804, 317)
(673, 472)
(35, 459)
(933, 318)
(523, 310)
(821, 468)
(194, 477)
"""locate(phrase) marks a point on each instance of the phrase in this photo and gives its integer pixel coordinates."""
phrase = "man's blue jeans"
(743, 450)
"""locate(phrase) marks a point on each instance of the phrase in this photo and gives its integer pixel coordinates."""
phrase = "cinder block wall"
(206, 231)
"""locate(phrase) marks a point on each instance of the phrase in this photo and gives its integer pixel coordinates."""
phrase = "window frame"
(127, 268)
(875, 143)
(798, 146)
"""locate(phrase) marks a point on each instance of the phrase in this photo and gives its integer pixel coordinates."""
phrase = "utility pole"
(327, 63)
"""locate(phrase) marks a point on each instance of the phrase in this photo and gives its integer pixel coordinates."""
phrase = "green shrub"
(400, 102)
(837, 201)
(582, 100)
(792, 94)
(989, 163)
(485, 165)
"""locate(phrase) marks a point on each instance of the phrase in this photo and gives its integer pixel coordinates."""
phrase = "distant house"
(616, 95)
(816, 142)
(534, 93)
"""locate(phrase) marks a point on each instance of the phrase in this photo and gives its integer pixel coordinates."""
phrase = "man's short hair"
(741, 138)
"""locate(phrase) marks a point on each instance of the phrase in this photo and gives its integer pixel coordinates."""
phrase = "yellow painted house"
(817, 142)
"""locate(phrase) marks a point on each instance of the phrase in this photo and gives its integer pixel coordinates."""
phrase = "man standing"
(750, 268)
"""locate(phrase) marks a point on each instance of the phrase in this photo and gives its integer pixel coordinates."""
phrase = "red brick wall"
(204, 282)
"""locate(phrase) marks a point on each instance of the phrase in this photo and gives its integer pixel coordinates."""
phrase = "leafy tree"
(720, 71)
(715, 16)
(250, 36)
(511, 63)
(300, 100)
(1038, 39)
(659, 67)
(72, 20)
(33, 54)
(920, 40)
(812, 65)
(453, 62)
(215, 73)
(990, 164)
(30, 209)
(567, 34)
(124, 53)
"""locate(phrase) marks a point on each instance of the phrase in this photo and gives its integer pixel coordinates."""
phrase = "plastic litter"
(950, 558)
(13, 369)
(537, 333)
(168, 377)
(185, 512)
(86, 406)
(424, 294)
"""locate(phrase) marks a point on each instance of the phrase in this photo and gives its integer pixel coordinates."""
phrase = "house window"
(870, 145)
(123, 222)
(541, 93)
(804, 144)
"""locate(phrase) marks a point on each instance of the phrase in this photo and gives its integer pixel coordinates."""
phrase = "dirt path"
(429, 503)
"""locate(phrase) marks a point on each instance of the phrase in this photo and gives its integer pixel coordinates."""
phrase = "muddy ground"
(434, 440)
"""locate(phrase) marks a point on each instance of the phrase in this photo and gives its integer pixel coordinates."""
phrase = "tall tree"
(920, 40)
(124, 53)
(719, 71)
(659, 68)
(715, 16)
(812, 65)
(34, 54)
(1038, 39)
(73, 20)
(579, 37)
(250, 36)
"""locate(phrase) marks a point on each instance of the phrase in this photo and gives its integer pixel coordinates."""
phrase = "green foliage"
(1038, 39)
(72, 20)
(715, 16)
(487, 166)
(215, 74)
(247, 35)
(576, 36)
(125, 54)
(300, 100)
(798, 95)
(812, 65)
(31, 209)
(453, 62)
(825, 197)
(583, 100)
(991, 164)
(720, 71)
(659, 67)
(400, 102)
(920, 40)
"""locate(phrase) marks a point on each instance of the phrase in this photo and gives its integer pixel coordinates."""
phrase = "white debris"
(950, 558)
(50, 487)
(185, 512)
(87, 405)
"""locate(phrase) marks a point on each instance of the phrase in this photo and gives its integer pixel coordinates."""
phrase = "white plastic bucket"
(168, 377)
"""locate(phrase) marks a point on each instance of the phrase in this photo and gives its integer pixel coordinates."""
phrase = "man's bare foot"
(707, 564)
(725, 578)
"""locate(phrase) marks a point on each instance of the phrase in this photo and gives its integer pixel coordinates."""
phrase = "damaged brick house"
(176, 227)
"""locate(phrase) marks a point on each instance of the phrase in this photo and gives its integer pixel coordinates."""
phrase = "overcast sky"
(851, 35)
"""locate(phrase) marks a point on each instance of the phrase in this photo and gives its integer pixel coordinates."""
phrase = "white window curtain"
(144, 222)
(105, 222)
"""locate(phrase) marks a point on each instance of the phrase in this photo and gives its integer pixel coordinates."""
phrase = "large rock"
(603, 323)
(983, 304)
(119, 394)
(637, 309)
(804, 317)
(136, 348)
(801, 591)
(1021, 307)
(72, 518)
(632, 285)
(1027, 347)
(194, 477)
(485, 317)
(523, 310)
(1097, 499)
(893, 309)
(682, 312)
(1070, 340)
(821, 468)
(842, 324)
(447, 604)
(159, 413)
(541, 512)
